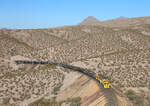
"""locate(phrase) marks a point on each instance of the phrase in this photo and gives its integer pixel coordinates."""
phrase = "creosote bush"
(137, 100)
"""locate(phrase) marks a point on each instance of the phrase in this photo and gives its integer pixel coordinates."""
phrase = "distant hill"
(125, 22)
(117, 22)
(89, 20)
(121, 17)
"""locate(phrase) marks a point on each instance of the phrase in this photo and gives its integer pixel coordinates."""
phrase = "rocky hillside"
(117, 49)
(90, 93)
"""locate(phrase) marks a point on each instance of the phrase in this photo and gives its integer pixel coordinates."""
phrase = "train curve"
(109, 94)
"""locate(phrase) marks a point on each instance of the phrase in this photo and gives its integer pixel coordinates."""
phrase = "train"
(105, 82)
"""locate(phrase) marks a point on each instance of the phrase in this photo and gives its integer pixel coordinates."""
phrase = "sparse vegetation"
(121, 54)
(57, 88)
(53, 102)
(44, 102)
(137, 100)
(73, 101)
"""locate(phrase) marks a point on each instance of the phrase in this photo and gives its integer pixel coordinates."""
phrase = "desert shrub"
(130, 94)
(46, 102)
(74, 101)
(6, 100)
(137, 100)
(53, 101)
(57, 88)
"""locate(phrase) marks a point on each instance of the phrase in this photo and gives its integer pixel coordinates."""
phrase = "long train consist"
(97, 77)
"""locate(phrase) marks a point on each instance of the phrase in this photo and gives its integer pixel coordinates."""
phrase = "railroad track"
(108, 93)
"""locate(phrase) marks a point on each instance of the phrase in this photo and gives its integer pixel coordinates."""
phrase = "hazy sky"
(52, 13)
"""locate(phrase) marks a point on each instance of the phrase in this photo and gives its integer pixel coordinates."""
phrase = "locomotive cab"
(106, 83)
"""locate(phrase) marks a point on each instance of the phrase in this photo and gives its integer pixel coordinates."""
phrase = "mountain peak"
(89, 20)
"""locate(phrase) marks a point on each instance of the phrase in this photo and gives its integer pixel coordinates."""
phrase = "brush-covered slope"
(120, 53)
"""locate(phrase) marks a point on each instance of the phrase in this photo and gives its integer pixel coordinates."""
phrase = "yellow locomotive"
(105, 82)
